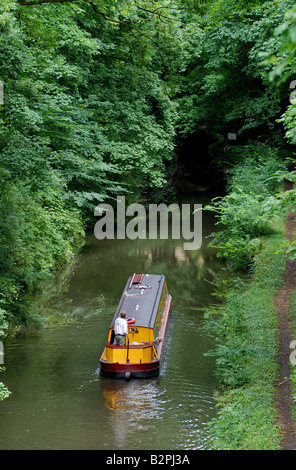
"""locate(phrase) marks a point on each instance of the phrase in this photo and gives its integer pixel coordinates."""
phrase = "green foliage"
(283, 58)
(4, 392)
(246, 421)
(246, 355)
(86, 98)
(87, 115)
(245, 214)
(282, 62)
(288, 200)
(37, 234)
(228, 88)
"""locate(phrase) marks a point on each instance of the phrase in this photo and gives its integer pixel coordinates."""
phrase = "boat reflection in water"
(134, 408)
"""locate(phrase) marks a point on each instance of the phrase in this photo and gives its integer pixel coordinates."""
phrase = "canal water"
(60, 401)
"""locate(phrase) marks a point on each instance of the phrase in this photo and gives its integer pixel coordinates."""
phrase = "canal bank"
(246, 356)
(252, 325)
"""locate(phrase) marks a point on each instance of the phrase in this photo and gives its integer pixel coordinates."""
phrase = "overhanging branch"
(155, 12)
(40, 2)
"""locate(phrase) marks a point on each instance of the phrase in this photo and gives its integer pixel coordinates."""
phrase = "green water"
(59, 400)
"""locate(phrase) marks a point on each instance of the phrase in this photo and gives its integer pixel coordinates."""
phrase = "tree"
(227, 90)
(88, 114)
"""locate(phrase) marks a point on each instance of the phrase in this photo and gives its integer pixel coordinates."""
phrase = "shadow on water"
(59, 400)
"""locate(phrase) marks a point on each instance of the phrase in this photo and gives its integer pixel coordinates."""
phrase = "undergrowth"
(251, 218)
(246, 356)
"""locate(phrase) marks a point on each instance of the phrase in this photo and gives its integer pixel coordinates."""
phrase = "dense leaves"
(228, 89)
(87, 114)
(246, 214)
(96, 93)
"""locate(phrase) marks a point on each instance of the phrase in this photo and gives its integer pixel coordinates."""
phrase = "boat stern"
(138, 361)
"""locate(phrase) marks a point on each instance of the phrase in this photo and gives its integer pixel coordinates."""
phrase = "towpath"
(284, 387)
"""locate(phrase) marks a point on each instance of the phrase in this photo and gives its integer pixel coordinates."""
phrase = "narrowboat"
(147, 305)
